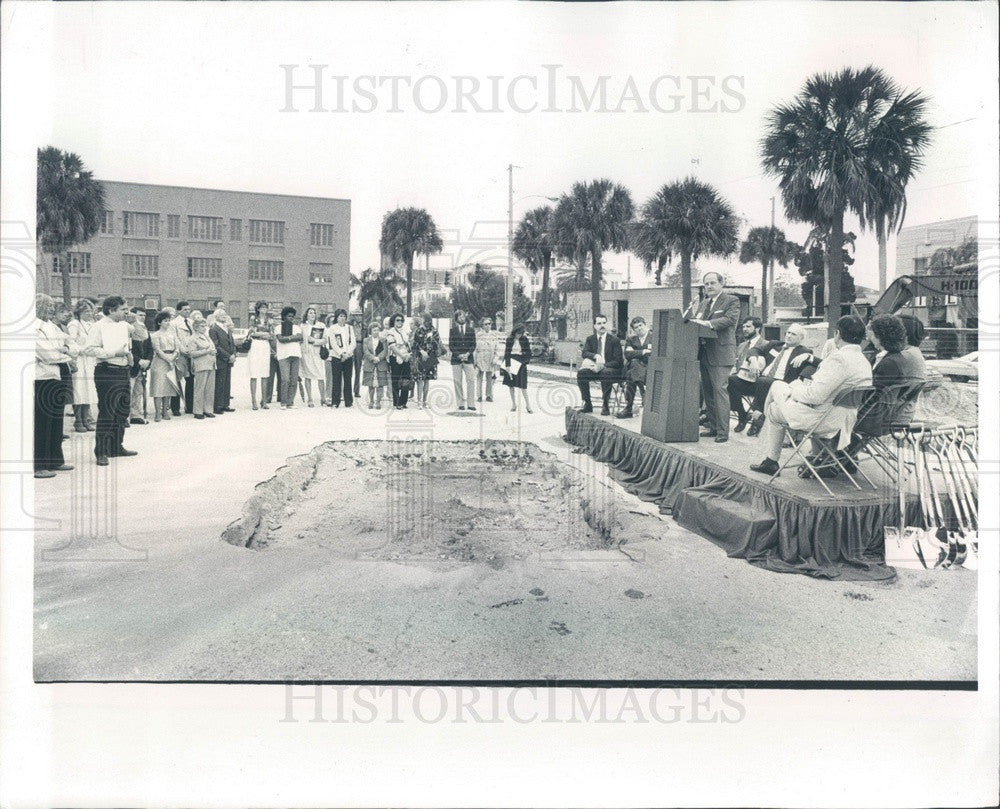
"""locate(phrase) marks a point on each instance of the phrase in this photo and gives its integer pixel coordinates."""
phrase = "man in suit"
(182, 326)
(805, 403)
(603, 360)
(638, 348)
(225, 357)
(783, 361)
(746, 369)
(462, 345)
(720, 312)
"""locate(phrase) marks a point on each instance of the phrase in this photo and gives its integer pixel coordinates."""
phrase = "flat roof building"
(159, 244)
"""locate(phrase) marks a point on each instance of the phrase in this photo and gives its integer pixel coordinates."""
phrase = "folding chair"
(826, 457)
(879, 418)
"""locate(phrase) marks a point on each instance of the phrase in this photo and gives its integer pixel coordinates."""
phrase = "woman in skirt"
(516, 356)
(427, 349)
(313, 338)
(374, 365)
(259, 358)
(163, 384)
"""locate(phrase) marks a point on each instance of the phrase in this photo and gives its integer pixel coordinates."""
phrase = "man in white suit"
(805, 403)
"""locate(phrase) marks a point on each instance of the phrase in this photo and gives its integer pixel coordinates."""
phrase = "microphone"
(690, 310)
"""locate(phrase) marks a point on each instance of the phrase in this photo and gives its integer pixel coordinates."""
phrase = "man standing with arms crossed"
(111, 342)
(720, 312)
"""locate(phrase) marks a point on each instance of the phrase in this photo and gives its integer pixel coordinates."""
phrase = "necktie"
(773, 370)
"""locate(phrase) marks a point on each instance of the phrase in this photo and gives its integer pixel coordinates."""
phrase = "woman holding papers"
(516, 356)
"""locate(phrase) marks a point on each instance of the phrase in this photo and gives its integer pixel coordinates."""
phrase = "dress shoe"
(198, 416)
(126, 453)
(585, 409)
(605, 411)
(44, 473)
(708, 433)
(624, 414)
(740, 426)
(229, 410)
(210, 415)
(755, 425)
(137, 421)
(80, 428)
(102, 460)
(66, 467)
(721, 439)
(766, 467)
(471, 407)
(461, 407)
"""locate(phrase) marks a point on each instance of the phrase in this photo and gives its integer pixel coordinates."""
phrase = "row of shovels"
(942, 462)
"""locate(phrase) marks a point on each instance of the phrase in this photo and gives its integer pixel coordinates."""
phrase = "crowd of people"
(100, 358)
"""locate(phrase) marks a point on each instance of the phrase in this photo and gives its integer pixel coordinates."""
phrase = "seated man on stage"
(746, 369)
(638, 347)
(804, 404)
(784, 362)
(602, 359)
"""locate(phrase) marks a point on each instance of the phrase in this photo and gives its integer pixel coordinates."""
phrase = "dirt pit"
(483, 502)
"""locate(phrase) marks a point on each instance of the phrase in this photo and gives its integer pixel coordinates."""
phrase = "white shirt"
(342, 348)
(285, 350)
(107, 338)
(50, 350)
(780, 363)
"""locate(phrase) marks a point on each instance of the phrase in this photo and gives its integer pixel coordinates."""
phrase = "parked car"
(959, 369)
(239, 337)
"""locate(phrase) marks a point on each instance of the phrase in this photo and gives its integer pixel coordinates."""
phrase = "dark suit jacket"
(461, 344)
(612, 350)
(141, 350)
(770, 349)
(896, 369)
(723, 317)
(523, 350)
(224, 345)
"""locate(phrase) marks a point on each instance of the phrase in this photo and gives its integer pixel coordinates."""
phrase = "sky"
(193, 93)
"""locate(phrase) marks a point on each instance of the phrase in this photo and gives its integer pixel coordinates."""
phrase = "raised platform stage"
(790, 526)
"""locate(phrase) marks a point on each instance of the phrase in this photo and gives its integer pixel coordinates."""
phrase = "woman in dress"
(485, 358)
(313, 339)
(516, 356)
(259, 358)
(399, 362)
(427, 349)
(162, 373)
(84, 390)
(375, 365)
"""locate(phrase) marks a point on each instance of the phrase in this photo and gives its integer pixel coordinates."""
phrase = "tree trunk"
(685, 279)
(661, 262)
(409, 284)
(544, 325)
(43, 277)
(763, 291)
(835, 268)
(67, 290)
(883, 275)
(595, 283)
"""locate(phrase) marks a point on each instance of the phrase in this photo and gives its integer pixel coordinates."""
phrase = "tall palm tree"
(647, 243)
(68, 208)
(591, 218)
(766, 245)
(380, 288)
(692, 219)
(850, 141)
(406, 231)
(533, 244)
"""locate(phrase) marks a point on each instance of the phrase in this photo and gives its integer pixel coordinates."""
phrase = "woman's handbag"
(324, 353)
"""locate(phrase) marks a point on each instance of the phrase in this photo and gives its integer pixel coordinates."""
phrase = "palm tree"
(68, 208)
(691, 219)
(532, 244)
(849, 141)
(592, 218)
(766, 245)
(406, 231)
(647, 244)
(380, 288)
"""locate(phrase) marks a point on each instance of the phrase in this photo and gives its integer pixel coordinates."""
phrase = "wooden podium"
(673, 380)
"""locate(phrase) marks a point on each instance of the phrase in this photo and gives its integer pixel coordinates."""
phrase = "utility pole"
(769, 314)
(509, 297)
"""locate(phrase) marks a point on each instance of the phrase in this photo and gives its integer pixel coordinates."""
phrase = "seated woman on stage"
(638, 347)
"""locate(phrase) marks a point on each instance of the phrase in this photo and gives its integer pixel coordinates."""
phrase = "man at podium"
(720, 312)
(603, 360)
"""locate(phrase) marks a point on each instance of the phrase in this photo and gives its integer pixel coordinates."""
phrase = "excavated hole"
(460, 501)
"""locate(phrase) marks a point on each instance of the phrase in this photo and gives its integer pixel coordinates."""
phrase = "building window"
(263, 231)
(260, 270)
(173, 226)
(108, 222)
(320, 273)
(235, 230)
(202, 268)
(320, 235)
(141, 225)
(140, 266)
(79, 263)
(920, 266)
(205, 228)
